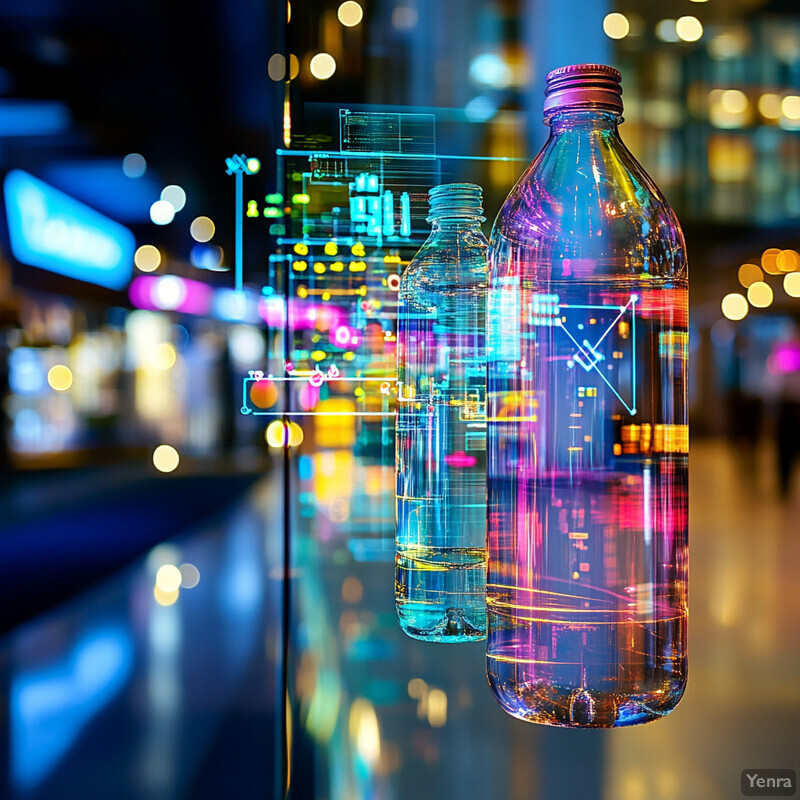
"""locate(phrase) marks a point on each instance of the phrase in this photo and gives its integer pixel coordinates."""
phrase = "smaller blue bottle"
(440, 584)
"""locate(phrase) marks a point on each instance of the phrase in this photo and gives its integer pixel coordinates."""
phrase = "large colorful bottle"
(587, 427)
(440, 586)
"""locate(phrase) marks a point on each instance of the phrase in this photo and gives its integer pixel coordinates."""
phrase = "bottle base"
(448, 626)
(571, 707)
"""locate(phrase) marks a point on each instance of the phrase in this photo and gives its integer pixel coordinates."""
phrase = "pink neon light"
(342, 336)
(195, 297)
(784, 359)
(460, 460)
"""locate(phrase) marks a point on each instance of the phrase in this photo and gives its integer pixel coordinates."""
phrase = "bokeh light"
(350, 13)
(769, 105)
(787, 260)
(352, 590)
(733, 101)
(616, 26)
(175, 196)
(253, 165)
(404, 18)
(750, 273)
(165, 598)
(147, 258)
(689, 28)
(168, 578)
(206, 256)
(202, 229)
(190, 576)
(322, 66)
(728, 44)
(791, 284)
(790, 107)
(59, 377)
(162, 212)
(734, 306)
(279, 433)
(276, 67)
(166, 458)
(769, 261)
(134, 165)
(666, 30)
(759, 294)
(164, 356)
(263, 393)
(490, 69)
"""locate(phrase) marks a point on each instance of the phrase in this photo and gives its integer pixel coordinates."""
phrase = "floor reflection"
(130, 692)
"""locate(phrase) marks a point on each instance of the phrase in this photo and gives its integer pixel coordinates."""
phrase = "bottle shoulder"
(453, 261)
(586, 201)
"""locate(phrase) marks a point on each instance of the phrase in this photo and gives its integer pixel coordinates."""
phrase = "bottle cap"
(456, 200)
(588, 85)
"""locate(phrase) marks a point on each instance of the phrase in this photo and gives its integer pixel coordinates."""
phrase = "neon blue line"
(630, 410)
(594, 366)
(619, 317)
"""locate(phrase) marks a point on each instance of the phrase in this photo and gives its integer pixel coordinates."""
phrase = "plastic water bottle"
(587, 427)
(440, 586)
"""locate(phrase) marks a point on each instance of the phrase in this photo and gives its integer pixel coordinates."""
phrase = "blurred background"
(180, 570)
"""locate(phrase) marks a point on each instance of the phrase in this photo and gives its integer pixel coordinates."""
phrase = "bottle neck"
(455, 224)
(590, 120)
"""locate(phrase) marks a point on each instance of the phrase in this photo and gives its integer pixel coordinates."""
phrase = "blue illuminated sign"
(53, 231)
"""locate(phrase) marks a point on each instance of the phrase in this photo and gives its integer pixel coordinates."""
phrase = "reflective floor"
(116, 695)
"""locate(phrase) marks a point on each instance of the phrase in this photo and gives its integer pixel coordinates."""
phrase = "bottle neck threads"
(587, 86)
(455, 202)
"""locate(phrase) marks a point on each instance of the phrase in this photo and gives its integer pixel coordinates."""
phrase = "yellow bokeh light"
(791, 284)
(322, 66)
(276, 434)
(733, 101)
(437, 708)
(769, 261)
(168, 578)
(202, 229)
(59, 377)
(165, 598)
(616, 26)
(166, 458)
(164, 356)
(276, 66)
(769, 105)
(350, 13)
(760, 294)
(734, 306)
(331, 248)
(787, 260)
(688, 28)
(147, 258)
(790, 106)
(750, 273)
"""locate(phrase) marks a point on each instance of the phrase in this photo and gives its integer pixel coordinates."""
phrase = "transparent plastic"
(587, 436)
(440, 586)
